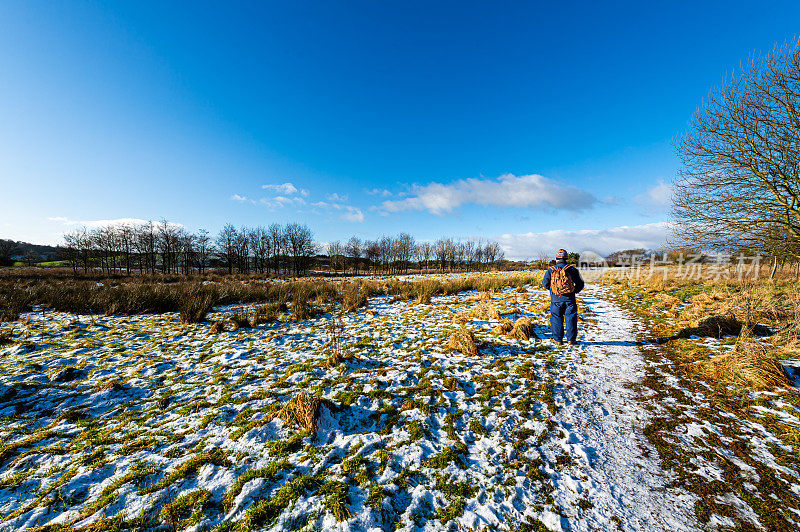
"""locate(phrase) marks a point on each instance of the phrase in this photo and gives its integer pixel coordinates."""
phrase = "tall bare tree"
(739, 186)
(354, 250)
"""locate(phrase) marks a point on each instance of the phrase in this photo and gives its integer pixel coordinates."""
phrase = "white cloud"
(349, 213)
(106, 223)
(506, 191)
(240, 199)
(601, 241)
(658, 197)
(379, 192)
(286, 189)
(282, 201)
(336, 197)
(353, 214)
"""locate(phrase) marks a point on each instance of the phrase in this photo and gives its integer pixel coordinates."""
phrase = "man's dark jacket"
(576, 280)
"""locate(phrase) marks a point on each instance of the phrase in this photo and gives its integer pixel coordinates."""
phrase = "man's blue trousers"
(561, 312)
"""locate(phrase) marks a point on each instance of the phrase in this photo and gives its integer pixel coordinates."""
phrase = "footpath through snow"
(143, 422)
(603, 420)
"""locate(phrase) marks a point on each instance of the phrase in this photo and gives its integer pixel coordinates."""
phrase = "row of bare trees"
(147, 248)
(274, 249)
(164, 247)
(399, 254)
(167, 248)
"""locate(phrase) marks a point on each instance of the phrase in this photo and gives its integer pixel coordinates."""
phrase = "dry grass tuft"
(303, 411)
(523, 329)
(6, 336)
(114, 385)
(464, 340)
(505, 327)
(354, 297)
(194, 304)
(485, 311)
(303, 310)
(334, 359)
(424, 298)
(719, 326)
(217, 327)
(748, 364)
(460, 318)
(265, 314)
(239, 321)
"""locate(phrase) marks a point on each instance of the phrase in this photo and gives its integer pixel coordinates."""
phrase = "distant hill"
(12, 251)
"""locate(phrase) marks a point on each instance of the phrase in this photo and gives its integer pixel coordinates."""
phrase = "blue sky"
(539, 124)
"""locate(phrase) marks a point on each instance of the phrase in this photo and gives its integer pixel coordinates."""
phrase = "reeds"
(195, 305)
(194, 297)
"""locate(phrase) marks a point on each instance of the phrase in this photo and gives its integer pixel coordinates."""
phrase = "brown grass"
(303, 310)
(217, 327)
(194, 305)
(303, 411)
(505, 327)
(134, 294)
(460, 318)
(354, 296)
(464, 340)
(423, 298)
(267, 313)
(485, 311)
(749, 364)
(720, 326)
(239, 321)
(451, 384)
(523, 329)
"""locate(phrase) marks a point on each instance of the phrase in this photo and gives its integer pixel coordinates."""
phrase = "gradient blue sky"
(383, 117)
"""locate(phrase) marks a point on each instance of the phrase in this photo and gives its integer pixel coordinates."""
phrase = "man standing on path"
(564, 281)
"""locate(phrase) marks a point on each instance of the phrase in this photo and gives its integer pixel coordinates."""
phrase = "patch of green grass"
(337, 497)
(376, 496)
(264, 510)
(450, 488)
(187, 468)
(186, 510)
(443, 459)
(269, 472)
(453, 511)
(283, 448)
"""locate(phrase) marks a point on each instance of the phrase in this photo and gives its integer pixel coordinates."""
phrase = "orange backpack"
(560, 280)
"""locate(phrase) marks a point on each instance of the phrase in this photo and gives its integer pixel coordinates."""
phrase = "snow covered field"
(143, 422)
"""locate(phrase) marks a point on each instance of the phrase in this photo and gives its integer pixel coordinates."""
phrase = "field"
(419, 403)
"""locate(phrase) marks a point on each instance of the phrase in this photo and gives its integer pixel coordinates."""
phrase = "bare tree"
(372, 250)
(492, 253)
(354, 250)
(739, 186)
(336, 256)
(301, 246)
(226, 245)
(404, 250)
(425, 253)
(204, 250)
